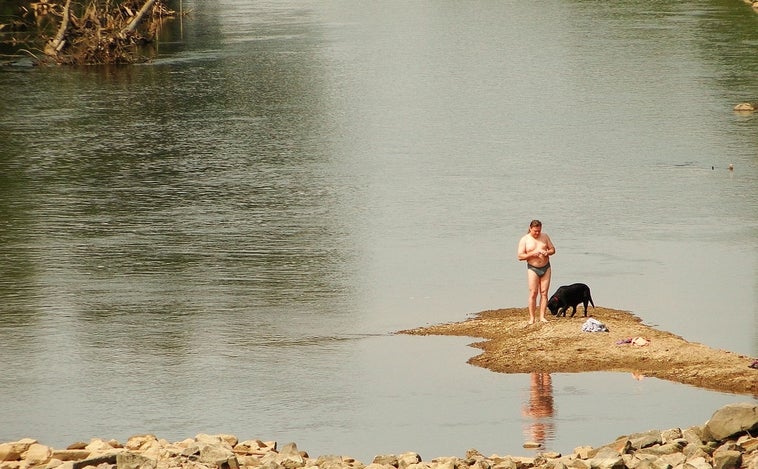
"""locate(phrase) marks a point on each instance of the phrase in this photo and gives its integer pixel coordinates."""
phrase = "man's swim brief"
(540, 271)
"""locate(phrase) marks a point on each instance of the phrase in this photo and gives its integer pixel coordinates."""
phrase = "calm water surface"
(225, 239)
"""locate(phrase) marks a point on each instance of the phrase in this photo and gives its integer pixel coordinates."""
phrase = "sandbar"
(510, 345)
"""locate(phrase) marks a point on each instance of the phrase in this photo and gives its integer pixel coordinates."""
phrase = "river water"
(224, 240)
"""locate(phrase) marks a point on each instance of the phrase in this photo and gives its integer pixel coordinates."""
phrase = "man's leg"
(544, 287)
(534, 286)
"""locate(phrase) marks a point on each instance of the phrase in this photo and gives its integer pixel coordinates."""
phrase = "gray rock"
(635, 461)
(479, 464)
(406, 459)
(385, 460)
(289, 457)
(330, 461)
(727, 459)
(645, 439)
(96, 461)
(732, 419)
(507, 462)
(694, 435)
(694, 451)
(12, 451)
(645, 464)
(673, 459)
(671, 434)
(218, 455)
(578, 464)
(131, 460)
(70, 454)
(697, 463)
(670, 448)
(607, 458)
(375, 465)
(748, 443)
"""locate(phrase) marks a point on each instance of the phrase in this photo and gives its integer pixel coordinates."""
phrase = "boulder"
(217, 455)
(668, 448)
(645, 439)
(697, 463)
(731, 420)
(577, 464)
(670, 435)
(406, 459)
(12, 451)
(98, 446)
(385, 460)
(727, 459)
(255, 447)
(93, 461)
(693, 435)
(136, 442)
(38, 454)
(607, 458)
(131, 460)
(71, 454)
(748, 443)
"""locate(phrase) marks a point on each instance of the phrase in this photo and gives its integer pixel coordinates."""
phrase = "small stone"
(744, 107)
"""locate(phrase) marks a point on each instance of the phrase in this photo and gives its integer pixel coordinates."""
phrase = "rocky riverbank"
(726, 441)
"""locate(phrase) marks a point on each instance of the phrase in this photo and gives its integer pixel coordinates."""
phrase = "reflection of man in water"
(540, 408)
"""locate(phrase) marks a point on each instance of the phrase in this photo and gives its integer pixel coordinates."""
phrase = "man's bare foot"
(530, 322)
(543, 320)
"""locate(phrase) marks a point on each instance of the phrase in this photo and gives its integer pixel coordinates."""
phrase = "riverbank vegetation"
(80, 33)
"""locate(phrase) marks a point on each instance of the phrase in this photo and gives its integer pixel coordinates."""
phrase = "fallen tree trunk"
(138, 17)
(56, 44)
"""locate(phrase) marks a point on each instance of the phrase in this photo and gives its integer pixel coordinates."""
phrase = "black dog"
(569, 296)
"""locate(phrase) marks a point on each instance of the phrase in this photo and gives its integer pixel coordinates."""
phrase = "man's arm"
(550, 246)
(521, 254)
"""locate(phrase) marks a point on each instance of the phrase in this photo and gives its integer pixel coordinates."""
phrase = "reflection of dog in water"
(540, 409)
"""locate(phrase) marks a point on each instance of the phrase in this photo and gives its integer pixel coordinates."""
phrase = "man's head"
(535, 228)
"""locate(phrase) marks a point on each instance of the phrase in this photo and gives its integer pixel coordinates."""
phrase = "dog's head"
(553, 305)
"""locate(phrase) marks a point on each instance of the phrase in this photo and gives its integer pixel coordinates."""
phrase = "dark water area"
(225, 239)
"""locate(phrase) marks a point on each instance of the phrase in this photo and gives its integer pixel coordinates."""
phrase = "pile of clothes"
(638, 341)
(593, 325)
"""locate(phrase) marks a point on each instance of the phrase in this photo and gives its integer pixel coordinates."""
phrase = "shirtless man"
(535, 248)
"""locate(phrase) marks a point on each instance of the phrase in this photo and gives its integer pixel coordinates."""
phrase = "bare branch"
(56, 44)
(136, 20)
